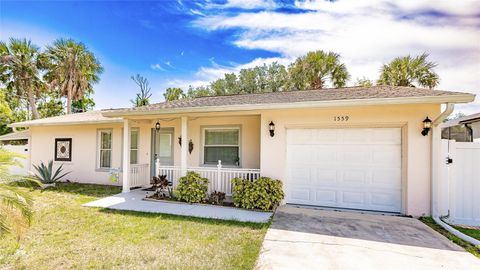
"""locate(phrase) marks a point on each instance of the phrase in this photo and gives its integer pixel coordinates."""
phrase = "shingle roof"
(291, 97)
(462, 120)
(14, 136)
(91, 117)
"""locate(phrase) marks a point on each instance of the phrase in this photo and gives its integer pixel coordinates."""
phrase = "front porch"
(133, 201)
(219, 148)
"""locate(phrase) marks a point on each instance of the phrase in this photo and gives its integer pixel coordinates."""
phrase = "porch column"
(126, 157)
(184, 149)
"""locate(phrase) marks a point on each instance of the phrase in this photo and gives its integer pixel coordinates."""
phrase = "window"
(222, 144)
(104, 148)
(134, 146)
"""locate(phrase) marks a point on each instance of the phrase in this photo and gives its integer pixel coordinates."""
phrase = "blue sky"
(181, 43)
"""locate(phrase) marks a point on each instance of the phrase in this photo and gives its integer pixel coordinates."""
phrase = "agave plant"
(16, 203)
(47, 175)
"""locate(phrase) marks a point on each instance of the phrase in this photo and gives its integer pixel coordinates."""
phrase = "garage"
(355, 168)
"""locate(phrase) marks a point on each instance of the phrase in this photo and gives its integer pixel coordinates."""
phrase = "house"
(463, 129)
(17, 142)
(367, 148)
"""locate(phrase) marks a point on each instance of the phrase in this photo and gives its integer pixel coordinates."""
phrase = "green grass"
(475, 250)
(475, 233)
(65, 235)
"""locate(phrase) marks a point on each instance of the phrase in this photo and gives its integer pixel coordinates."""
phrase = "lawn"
(475, 250)
(65, 235)
(474, 233)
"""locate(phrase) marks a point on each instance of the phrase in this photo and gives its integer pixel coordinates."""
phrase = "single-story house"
(367, 148)
(463, 129)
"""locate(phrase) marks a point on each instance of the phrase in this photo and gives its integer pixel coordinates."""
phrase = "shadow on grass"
(209, 221)
(91, 190)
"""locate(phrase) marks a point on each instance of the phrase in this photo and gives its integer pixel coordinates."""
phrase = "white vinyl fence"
(25, 163)
(459, 183)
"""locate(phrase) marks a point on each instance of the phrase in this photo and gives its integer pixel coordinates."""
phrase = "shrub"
(192, 188)
(263, 193)
(47, 175)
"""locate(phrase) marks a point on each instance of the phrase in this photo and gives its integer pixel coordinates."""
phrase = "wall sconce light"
(271, 128)
(157, 126)
(180, 140)
(427, 125)
(190, 146)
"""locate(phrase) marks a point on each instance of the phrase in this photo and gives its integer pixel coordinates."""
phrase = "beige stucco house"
(358, 148)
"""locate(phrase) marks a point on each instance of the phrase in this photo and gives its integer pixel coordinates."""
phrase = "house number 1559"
(341, 118)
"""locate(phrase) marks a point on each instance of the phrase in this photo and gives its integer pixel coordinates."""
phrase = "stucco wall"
(415, 153)
(84, 144)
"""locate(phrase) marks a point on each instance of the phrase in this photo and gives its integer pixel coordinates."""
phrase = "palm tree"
(20, 69)
(173, 94)
(142, 98)
(315, 69)
(72, 69)
(15, 203)
(409, 71)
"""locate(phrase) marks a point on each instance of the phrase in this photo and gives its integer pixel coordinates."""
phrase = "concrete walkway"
(133, 201)
(302, 238)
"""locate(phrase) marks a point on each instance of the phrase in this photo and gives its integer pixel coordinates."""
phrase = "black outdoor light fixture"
(271, 128)
(157, 126)
(427, 125)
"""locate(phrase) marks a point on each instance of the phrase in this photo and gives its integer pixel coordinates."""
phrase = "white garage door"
(358, 168)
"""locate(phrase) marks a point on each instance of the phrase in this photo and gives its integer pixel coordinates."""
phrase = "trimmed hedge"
(192, 188)
(263, 193)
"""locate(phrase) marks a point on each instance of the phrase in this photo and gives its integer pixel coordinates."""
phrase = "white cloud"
(367, 34)
(245, 4)
(168, 63)
(157, 67)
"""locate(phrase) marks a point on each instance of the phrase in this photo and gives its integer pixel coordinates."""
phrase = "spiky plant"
(15, 203)
(47, 175)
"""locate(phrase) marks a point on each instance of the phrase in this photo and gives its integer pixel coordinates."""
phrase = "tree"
(86, 103)
(276, 77)
(142, 98)
(363, 82)
(50, 105)
(15, 204)
(71, 69)
(6, 114)
(248, 81)
(313, 70)
(173, 94)
(409, 71)
(19, 70)
(199, 91)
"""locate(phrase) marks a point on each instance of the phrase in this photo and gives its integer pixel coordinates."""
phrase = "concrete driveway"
(301, 238)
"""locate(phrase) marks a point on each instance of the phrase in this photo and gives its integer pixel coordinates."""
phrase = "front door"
(162, 147)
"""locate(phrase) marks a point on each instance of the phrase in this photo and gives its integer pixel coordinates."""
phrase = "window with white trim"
(134, 146)
(221, 144)
(104, 148)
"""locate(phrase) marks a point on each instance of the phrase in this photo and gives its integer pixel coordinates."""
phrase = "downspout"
(435, 160)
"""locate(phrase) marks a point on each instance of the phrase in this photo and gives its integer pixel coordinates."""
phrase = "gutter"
(436, 132)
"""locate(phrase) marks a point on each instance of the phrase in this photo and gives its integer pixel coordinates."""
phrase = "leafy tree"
(363, 82)
(277, 77)
(142, 98)
(409, 71)
(16, 205)
(218, 87)
(6, 114)
(313, 70)
(231, 83)
(20, 68)
(50, 105)
(248, 81)
(173, 94)
(86, 103)
(199, 91)
(71, 69)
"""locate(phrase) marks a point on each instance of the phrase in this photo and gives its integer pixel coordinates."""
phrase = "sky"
(180, 43)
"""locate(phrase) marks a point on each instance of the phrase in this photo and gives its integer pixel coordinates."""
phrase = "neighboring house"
(463, 129)
(17, 142)
(357, 147)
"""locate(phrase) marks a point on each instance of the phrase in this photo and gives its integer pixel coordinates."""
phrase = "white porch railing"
(139, 175)
(219, 178)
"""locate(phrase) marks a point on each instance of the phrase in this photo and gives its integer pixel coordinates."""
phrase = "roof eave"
(307, 104)
(92, 122)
